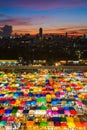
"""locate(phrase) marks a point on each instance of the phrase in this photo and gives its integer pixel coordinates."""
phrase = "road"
(60, 68)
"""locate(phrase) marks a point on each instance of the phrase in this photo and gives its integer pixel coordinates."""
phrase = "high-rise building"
(6, 31)
(40, 33)
(66, 35)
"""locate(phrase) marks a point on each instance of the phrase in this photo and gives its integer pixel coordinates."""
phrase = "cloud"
(83, 30)
(71, 30)
(64, 28)
(22, 24)
(42, 4)
(15, 21)
(21, 21)
(3, 16)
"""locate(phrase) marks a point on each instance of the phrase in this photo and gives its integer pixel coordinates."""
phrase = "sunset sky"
(54, 16)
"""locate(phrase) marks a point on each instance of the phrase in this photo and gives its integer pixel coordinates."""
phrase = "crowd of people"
(45, 100)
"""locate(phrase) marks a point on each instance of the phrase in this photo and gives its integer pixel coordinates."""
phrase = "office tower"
(66, 34)
(40, 33)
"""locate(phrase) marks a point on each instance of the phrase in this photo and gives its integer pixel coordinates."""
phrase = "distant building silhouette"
(66, 35)
(6, 31)
(84, 35)
(40, 33)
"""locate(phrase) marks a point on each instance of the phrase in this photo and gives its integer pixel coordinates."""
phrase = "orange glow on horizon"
(47, 32)
(24, 32)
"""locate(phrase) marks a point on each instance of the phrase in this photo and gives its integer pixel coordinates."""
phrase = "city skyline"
(54, 16)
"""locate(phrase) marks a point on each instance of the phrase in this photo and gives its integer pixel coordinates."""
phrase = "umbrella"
(30, 94)
(55, 108)
(54, 112)
(66, 108)
(6, 102)
(64, 124)
(33, 103)
(28, 102)
(56, 119)
(78, 124)
(48, 98)
(73, 112)
(2, 95)
(11, 119)
(49, 112)
(66, 112)
(56, 124)
(43, 108)
(76, 119)
(43, 124)
(2, 123)
(8, 111)
(30, 123)
(25, 111)
(14, 110)
(80, 103)
(41, 100)
(22, 102)
(69, 102)
(62, 119)
(75, 96)
(4, 118)
(84, 124)
(2, 111)
(12, 102)
(71, 124)
(61, 111)
(50, 123)
(20, 108)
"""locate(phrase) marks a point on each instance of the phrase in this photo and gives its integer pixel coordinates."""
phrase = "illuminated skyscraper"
(40, 33)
